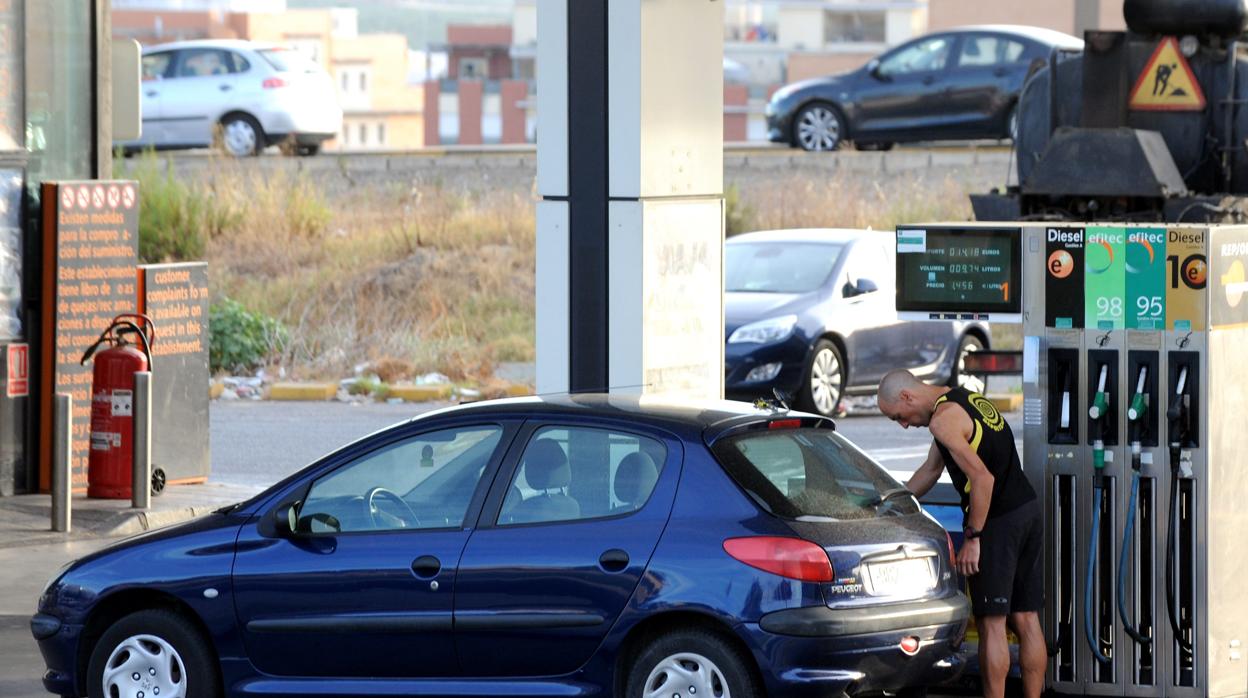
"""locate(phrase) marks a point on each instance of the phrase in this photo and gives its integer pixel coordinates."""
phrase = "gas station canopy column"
(630, 171)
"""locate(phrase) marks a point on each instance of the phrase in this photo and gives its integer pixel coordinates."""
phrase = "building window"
(842, 27)
(346, 81)
(363, 81)
(363, 134)
(381, 133)
(473, 68)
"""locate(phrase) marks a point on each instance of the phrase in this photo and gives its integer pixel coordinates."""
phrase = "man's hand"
(968, 558)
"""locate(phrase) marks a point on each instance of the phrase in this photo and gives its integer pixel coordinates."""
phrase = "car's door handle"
(426, 566)
(614, 560)
(1001, 72)
(225, 88)
(929, 79)
(152, 93)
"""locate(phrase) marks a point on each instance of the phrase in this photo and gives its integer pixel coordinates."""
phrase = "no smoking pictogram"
(67, 196)
(97, 196)
(84, 197)
(127, 196)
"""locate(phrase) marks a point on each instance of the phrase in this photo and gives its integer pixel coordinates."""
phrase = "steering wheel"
(405, 518)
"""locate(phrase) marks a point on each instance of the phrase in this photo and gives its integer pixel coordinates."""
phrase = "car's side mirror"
(866, 286)
(286, 519)
(873, 69)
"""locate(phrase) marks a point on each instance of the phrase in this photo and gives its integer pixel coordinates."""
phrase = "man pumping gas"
(1001, 556)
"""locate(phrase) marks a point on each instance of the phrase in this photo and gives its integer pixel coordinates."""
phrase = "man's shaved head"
(894, 382)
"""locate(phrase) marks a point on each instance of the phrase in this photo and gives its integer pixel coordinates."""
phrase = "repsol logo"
(1060, 235)
(1187, 237)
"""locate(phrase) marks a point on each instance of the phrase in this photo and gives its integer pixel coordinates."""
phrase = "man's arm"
(926, 476)
(953, 429)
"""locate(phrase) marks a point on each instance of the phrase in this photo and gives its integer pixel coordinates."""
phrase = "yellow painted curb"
(421, 393)
(1007, 403)
(518, 390)
(303, 391)
(215, 389)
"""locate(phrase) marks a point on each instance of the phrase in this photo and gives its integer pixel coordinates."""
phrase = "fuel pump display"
(1131, 336)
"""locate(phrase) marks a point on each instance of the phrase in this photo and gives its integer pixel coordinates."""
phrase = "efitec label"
(1146, 279)
(1105, 282)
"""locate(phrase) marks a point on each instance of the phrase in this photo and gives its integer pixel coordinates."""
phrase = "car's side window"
(236, 62)
(577, 473)
(423, 482)
(156, 65)
(922, 56)
(203, 62)
(986, 50)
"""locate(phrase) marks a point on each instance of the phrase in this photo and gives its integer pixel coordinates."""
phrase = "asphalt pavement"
(256, 443)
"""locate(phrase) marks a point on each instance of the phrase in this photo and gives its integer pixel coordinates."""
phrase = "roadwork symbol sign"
(1167, 82)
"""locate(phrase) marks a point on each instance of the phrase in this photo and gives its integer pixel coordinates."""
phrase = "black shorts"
(1011, 564)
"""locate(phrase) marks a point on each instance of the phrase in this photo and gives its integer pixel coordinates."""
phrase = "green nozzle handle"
(1100, 404)
(1139, 405)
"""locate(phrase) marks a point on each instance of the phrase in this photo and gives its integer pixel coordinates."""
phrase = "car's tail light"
(949, 541)
(909, 645)
(788, 557)
(273, 83)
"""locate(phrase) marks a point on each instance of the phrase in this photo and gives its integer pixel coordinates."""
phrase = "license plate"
(901, 578)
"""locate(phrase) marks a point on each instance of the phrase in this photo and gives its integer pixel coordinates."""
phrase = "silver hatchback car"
(240, 95)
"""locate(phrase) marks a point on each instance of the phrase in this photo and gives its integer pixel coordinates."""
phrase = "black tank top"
(993, 441)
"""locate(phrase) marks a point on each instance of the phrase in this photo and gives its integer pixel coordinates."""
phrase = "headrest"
(635, 477)
(545, 466)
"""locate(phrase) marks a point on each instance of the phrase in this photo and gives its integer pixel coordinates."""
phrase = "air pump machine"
(1135, 433)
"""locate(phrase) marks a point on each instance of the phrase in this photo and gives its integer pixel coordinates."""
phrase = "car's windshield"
(779, 267)
(811, 475)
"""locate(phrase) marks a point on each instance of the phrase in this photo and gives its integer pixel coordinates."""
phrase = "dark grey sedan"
(953, 85)
(813, 313)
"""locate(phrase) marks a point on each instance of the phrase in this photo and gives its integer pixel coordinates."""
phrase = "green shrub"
(241, 340)
(738, 215)
(175, 220)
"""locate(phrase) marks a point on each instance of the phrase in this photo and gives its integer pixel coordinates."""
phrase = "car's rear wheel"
(818, 127)
(960, 377)
(152, 654)
(824, 385)
(692, 663)
(241, 135)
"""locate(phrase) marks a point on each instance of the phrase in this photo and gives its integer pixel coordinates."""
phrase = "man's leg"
(994, 655)
(1033, 655)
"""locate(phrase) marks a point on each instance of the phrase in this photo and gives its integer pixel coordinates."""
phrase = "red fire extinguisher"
(111, 461)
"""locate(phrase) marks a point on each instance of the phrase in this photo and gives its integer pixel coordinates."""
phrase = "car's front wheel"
(691, 664)
(818, 127)
(825, 379)
(152, 654)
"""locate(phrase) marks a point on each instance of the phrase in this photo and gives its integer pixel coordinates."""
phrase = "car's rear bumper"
(823, 651)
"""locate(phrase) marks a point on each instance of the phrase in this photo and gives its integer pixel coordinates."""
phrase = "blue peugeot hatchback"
(812, 312)
(573, 546)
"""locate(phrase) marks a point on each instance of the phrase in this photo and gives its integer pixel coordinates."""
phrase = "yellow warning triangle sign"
(1167, 82)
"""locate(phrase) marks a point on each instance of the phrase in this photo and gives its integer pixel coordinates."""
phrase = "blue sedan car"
(584, 545)
(812, 313)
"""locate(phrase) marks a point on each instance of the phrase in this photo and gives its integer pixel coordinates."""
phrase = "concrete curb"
(422, 393)
(408, 392)
(303, 391)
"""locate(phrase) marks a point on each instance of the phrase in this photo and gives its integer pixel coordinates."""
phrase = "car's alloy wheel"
(825, 382)
(973, 382)
(819, 128)
(144, 665)
(154, 653)
(686, 674)
(1011, 123)
(241, 136)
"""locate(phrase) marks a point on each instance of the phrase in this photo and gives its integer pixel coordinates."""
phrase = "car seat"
(634, 480)
(546, 469)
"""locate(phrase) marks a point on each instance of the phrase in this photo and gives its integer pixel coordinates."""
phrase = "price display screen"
(964, 271)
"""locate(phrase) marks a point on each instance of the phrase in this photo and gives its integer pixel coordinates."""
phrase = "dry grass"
(420, 276)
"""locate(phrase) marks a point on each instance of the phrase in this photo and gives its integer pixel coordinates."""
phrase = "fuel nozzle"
(1064, 417)
(1177, 413)
(1135, 415)
(1100, 405)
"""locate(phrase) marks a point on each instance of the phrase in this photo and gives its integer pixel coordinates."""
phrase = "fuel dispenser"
(1131, 336)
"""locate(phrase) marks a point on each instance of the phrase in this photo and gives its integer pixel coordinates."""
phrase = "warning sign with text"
(90, 249)
(175, 297)
(18, 363)
(1167, 82)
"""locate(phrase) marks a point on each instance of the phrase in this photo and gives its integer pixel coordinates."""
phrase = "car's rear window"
(778, 267)
(811, 475)
(288, 60)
